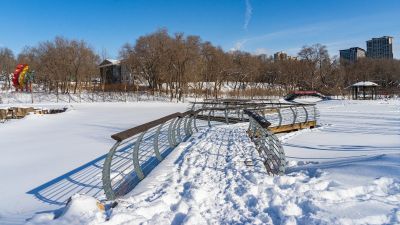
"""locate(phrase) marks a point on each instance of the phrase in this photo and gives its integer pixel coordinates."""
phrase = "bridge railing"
(279, 114)
(268, 145)
(138, 150)
(289, 115)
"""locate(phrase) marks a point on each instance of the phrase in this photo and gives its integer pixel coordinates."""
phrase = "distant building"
(110, 71)
(113, 71)
(380, 48)
(280, 56)
(352, 54)
(283, 56)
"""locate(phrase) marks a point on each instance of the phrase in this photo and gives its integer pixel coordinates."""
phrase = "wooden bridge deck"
(292, 127)
(274, 129)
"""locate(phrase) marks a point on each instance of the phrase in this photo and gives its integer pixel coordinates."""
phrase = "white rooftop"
(108, 62)
(365, 83)
(113, 61)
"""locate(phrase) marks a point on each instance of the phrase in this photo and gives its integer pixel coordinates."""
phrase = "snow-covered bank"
(39, 97)
(39, 148)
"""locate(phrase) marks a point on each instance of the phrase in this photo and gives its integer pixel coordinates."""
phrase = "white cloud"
(260, 51)
(307, 30)
(354, 37)
(238, 45)
(247, 15)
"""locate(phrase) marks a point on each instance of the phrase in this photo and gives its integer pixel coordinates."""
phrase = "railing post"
(186, 126)
(294, 115)
(280, 116)
(171, 133)
(305, 110)
(251, 128)
(254, 128)
(190, 124)
(178, 131)
(156, 147)
(106, 173)
(226, 114)
(135, 157)
(174, 131)
(209, 122)
(270, 144)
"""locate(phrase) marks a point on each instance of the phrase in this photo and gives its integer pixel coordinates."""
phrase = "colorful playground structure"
(23, 77)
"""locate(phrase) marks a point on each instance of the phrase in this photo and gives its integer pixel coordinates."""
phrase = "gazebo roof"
(109, 62)
(365, 84)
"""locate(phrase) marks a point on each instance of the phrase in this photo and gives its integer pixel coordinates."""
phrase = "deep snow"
(39, 148)
(344, 172)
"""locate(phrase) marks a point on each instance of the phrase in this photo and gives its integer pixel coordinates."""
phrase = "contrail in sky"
(247, 15)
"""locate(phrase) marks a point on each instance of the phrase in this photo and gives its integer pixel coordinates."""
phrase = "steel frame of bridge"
(138, 150)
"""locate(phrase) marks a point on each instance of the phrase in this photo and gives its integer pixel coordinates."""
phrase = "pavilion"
(364, 90)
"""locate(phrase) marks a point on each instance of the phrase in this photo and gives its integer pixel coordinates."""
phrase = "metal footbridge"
(137, 151)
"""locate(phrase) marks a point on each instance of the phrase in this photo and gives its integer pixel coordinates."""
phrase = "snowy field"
(39, 148)
(344, 172)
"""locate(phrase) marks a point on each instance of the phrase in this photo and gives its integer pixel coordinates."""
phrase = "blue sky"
(257, 26)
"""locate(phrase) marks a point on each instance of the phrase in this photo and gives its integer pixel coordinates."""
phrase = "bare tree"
(7, 65)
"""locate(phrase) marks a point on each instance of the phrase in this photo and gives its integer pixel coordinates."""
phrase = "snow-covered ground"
(39, 148)
(344, 172)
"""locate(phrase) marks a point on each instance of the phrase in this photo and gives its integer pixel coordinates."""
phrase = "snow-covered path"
(202, 181)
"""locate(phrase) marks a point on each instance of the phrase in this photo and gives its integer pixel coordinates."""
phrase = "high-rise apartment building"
(352, 54)
(380, 48)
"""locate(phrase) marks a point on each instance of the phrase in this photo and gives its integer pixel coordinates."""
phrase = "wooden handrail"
(260, 120)
(146, 126)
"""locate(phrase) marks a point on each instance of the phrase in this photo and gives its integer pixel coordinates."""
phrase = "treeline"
(179, 65)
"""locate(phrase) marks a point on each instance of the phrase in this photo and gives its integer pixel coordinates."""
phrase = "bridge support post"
(186, 126)
(135, 157)
(106, 173)
(305, 110)
(226, 114)
(170, 133)
(156, 147)
(209, 118)
(280, 116)
(294, 115)
(178, 137)
(174, 132)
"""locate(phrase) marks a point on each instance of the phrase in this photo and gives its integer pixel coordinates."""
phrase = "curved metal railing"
(279, 114)
(138, 150)
(268, 145)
